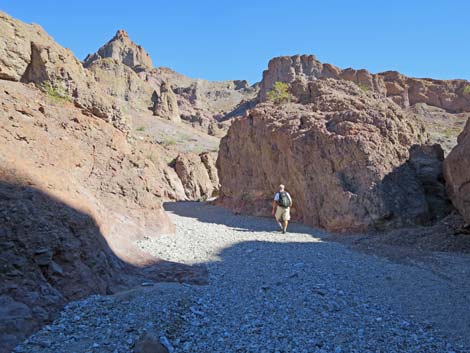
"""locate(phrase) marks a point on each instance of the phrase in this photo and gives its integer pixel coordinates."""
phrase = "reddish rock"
(75, 195)
(343, 155)
(450, 95)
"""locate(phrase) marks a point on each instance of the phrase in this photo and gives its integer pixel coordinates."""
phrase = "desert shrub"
(279, 94)
(169, 141)
(57, 94)
(141, 128)
(466, 89)
(363, 87)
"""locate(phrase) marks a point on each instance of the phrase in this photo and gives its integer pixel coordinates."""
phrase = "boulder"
(197, 174)
(344, 155)
(165, 103)
(457, 173)
(149, 343)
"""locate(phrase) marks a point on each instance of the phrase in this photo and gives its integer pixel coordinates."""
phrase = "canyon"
(90, 151)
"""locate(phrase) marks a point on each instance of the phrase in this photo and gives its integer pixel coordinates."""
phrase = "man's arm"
(274, 207)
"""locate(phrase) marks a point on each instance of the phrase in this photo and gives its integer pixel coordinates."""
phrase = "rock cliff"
(450, 95)
(457, 173)
(344, 155)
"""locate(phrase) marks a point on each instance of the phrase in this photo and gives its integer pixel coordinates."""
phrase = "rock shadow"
(52, 253)
(208, 213)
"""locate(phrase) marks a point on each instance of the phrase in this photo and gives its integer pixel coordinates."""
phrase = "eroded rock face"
(75, 195)
(198, 175)
(165, 103)
(29, 55)
(457, 173)
(122, 49)
(343, 156)
(450, 95)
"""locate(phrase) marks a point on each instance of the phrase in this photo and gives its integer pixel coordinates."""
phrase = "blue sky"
(220, 40)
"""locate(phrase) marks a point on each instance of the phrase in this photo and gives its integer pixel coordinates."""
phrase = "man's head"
(281, 187)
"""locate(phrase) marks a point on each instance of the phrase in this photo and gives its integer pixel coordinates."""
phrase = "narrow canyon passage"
(272, 292)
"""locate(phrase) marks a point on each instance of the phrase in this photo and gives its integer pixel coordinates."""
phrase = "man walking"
(281, 208)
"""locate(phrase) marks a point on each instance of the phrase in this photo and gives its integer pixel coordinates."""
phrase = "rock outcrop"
(165, 104)
(122, 49)
(28, 54)
(203, 104)
(451, 95)
(198, 175)
(457, 173)
(75, 195)
(344, 155)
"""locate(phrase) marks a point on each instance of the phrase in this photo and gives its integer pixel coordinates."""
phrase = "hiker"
(281, 208)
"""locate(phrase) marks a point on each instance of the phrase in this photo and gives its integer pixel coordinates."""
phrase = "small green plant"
(57, 94)
(466, 89)
(363, 87)
(169, 142)
(141, 128)
(279, 94)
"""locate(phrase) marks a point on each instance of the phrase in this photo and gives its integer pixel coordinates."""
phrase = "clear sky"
(221, 39)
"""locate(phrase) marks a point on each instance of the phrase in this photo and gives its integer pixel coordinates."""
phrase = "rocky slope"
(443, 105)
(202, 103)
(77, 186)
(29, 54)
(351, 159)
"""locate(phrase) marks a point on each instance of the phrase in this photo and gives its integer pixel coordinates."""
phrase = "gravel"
(267, 292)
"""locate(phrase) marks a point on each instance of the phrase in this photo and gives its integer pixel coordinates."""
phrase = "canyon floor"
(273, 292)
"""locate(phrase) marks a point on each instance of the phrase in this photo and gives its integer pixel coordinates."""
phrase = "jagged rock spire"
(122, 49)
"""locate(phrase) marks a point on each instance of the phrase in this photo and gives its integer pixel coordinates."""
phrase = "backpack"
(284, 200)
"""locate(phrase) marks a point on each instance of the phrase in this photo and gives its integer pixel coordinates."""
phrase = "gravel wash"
(267, 292)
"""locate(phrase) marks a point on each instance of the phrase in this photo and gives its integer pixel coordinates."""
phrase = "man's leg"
(278, 218)
(284, 226)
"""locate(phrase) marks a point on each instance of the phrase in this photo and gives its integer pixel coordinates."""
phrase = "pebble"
(267, 292)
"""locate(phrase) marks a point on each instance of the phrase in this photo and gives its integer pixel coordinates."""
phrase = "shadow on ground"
(207, 213)
(52, 253)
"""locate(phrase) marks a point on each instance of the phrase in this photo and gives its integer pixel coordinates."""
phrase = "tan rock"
(28, 54)
(457, 174)
(165, 103)
(197, 174)
(122, 49)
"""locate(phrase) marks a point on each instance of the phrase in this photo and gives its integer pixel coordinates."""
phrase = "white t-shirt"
(276, 197)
